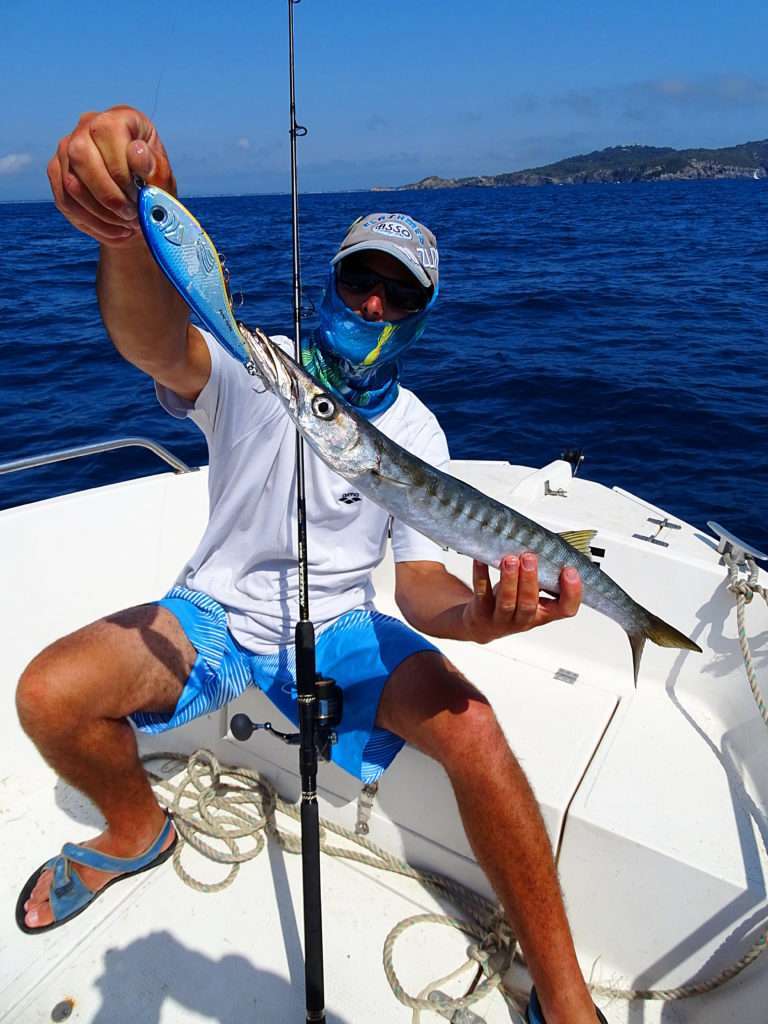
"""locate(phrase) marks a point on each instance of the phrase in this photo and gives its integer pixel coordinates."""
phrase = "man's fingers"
(141, 160)
(115, 134)
(104, 232)
(148, 159)
(92, 174)
(97, 161)
(517, 595)
(516, 605)
(78, 200)
(527, 590)
(80, 215)
(506, 591)
(569, 600)
(481, 583)
(570, 592)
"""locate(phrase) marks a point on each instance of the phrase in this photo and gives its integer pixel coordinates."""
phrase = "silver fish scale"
(475, 525)
(481, 527)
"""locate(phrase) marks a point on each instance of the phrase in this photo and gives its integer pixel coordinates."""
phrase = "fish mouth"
(271, 364)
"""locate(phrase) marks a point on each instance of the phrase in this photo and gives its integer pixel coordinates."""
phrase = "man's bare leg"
(431, 705)
(73, 700)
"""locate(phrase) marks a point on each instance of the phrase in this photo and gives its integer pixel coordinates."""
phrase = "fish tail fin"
(661, 633)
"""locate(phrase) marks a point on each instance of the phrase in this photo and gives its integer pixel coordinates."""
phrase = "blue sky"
(390, 91)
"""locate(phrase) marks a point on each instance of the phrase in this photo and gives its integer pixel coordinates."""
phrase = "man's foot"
(81, 873)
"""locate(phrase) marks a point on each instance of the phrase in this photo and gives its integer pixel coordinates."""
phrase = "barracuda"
(449, 511)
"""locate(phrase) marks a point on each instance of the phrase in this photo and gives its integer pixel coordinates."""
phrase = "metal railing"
(95, 449)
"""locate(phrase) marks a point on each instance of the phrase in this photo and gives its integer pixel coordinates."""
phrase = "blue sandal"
(69, 896)
(533, 1014)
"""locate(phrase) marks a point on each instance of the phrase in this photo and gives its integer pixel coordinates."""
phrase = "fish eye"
(158, 214)
(323, 407)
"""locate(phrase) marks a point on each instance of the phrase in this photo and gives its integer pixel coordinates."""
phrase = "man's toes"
(38, 907)
(41, 890)
(39, 915)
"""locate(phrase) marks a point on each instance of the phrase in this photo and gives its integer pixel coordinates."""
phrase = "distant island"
(622, 164)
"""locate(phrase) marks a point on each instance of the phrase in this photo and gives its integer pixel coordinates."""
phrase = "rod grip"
(313, 919)
(305, 658)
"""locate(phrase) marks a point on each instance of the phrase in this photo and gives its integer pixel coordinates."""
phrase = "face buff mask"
(358, 359)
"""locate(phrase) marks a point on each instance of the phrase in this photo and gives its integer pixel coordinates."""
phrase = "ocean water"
(628, 321)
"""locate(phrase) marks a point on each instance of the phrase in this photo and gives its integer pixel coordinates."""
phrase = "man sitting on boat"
(227, 623)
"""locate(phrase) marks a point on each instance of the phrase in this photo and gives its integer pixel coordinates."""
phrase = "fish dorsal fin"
(579, 539)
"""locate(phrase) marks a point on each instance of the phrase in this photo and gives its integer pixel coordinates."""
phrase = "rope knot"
(742, 588)
(478, 954)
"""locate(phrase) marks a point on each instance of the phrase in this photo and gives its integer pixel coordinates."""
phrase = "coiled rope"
(225, 805)
(228, 805)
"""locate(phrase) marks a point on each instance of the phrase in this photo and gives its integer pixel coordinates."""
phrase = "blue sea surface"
(625, 320)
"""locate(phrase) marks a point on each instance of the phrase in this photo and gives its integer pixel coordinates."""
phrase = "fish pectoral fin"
(391, 479)
(579, 539)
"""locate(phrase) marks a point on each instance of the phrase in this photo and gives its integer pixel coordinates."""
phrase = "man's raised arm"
(91, 176)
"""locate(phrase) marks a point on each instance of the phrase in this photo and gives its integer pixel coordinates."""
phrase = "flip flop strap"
(68, 893)
(103, 862)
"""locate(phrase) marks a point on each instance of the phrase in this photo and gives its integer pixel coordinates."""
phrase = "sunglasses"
(361, 280)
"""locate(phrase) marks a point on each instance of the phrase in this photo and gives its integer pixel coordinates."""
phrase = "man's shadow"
(138, 979)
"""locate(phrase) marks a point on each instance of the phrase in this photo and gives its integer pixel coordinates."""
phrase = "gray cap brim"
(394, 250)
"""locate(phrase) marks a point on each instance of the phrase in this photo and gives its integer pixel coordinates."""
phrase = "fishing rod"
(314, 983)
(319, 699)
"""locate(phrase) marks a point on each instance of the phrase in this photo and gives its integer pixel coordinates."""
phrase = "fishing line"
(163, 66)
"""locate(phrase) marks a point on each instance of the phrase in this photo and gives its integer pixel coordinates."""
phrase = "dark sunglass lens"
(357, 280)
(405, 297)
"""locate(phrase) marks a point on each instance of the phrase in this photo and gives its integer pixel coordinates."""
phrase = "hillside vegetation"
(626, 163)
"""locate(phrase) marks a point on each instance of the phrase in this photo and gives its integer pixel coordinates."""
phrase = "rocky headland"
(621, 164)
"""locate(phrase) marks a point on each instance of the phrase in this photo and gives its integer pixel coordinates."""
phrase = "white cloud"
(14, 162)
(244, 142)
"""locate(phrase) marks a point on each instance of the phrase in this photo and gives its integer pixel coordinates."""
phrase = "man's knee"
(475, 740)
(134, 660)
(435, 708)
(42, 700)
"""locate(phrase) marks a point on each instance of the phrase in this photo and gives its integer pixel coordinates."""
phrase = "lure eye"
(323, 407)
(158, 214)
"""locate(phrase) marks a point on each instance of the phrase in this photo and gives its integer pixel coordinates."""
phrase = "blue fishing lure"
(189, 260)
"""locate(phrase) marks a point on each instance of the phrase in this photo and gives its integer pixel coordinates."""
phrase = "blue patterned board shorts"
(360, 650)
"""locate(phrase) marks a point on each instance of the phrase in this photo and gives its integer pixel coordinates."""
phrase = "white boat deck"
(654, 796)
(151, 951)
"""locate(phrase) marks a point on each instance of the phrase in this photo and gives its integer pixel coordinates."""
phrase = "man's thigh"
(134, 660)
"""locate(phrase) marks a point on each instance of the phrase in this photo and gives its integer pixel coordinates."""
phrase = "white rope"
(745, 590)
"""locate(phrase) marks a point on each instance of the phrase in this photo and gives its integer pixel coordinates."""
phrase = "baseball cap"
(399, 235)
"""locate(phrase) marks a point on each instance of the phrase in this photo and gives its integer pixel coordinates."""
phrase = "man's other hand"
(515, 605)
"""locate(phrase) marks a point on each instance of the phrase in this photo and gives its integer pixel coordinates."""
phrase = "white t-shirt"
(247, 558)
